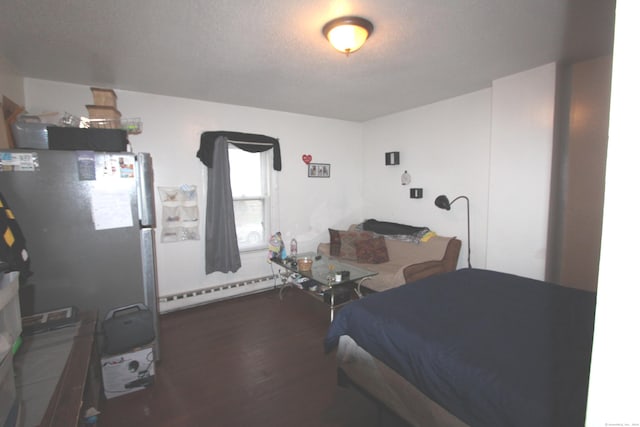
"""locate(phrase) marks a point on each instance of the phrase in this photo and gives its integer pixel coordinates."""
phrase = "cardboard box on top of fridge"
(104, 96)
(127, 372)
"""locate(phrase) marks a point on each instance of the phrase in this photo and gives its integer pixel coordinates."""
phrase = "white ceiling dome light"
(348, 33)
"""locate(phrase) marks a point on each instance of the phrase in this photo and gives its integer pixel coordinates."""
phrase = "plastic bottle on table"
(293, 248)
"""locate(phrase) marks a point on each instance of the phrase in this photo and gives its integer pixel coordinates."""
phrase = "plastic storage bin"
(30, 135)
(10, 319)
(7, 380)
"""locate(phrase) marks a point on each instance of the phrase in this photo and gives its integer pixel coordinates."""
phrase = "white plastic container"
(7, 380)
(10, 319)
(30, 135)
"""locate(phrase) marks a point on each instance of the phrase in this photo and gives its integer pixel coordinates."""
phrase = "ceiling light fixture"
(348, 33)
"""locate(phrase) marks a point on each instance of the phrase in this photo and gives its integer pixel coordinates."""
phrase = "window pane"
(249, 216)
(250, 188)
(246, 173)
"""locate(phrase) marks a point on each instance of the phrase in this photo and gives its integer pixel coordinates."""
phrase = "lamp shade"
(348, 33)
(442, 202)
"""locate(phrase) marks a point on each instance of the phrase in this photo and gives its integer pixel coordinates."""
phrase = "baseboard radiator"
(202, 296)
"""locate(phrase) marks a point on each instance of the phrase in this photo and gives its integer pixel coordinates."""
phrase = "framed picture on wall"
(319, 170)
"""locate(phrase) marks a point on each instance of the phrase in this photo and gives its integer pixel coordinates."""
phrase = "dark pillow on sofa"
(334, 242)
(372, 251)
(348, 241)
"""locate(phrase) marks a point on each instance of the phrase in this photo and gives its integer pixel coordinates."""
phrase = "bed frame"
(376, 380)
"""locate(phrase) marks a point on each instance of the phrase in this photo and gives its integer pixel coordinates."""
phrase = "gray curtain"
(221, 243)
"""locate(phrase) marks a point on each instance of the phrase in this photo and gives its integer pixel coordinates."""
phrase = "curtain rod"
(249, 143)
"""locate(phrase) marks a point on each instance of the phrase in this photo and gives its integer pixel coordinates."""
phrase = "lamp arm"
(468, 228)
(459, 197)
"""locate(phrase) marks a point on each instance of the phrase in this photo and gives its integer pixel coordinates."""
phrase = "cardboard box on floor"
(10, 112)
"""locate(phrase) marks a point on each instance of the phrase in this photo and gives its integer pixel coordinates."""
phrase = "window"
(251, 202)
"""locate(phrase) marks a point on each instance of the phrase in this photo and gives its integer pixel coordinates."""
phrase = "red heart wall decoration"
(307, 158)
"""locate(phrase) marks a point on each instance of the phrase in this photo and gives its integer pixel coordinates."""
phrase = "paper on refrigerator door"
(13, 162)
(111, 209)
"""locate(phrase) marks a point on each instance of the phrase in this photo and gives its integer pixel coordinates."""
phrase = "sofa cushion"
(348, 241)
(372, 251)
(389, 275)
(410, 253)
(334, 242)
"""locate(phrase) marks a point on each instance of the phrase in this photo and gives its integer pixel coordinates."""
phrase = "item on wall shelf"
(180, 218)
(405, 179)
(392, 158)
(307, 158)
(415, 193)
(442, 202)
(319, 170)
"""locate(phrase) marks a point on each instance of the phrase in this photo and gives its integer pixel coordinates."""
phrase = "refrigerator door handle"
(146, 207)
(150, 282)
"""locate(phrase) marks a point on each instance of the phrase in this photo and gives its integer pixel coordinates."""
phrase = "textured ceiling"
(272, 54)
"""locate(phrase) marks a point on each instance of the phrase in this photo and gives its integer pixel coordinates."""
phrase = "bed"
(471, 347)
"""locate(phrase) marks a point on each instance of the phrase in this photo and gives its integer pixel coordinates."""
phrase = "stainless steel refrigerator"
(88, 219)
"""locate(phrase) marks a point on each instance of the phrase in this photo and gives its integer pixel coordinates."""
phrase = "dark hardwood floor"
(249, 361)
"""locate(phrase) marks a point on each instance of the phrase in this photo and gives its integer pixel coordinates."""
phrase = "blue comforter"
(493, 349)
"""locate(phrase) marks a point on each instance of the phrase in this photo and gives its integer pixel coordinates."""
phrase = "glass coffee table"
(328, 279)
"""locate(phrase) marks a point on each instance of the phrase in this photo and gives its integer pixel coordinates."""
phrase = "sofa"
(397, 261)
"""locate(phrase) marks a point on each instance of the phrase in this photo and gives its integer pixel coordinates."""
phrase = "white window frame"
(266, 158)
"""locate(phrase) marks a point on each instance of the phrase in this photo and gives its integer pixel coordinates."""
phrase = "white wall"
(521, 155)
(445, 148)
(11, 83)
(171, 133)
(493, 146)
(615, 365)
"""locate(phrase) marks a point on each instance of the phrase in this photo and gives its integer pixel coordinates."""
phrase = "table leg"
(286, 283)
(283, 287)
(331, 306)
(357, 289)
